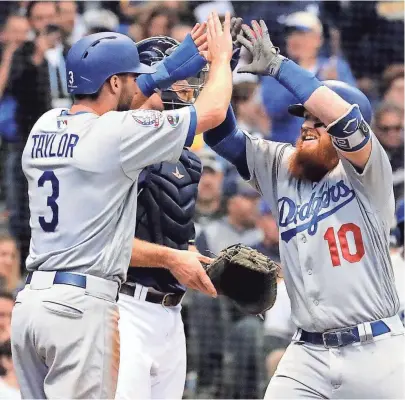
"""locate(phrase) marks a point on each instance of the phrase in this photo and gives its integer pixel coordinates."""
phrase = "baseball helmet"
(182, 93)
(95, 58)
(349, 93)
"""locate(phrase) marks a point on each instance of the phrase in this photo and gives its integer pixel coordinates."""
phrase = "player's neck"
(94, 107)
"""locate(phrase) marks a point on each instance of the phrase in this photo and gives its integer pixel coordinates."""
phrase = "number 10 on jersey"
(340, 239)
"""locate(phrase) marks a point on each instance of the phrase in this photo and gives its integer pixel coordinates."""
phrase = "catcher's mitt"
(247, 277)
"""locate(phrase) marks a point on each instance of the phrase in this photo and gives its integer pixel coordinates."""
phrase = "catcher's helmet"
(349, 93)
(182, 93)
(95, 58)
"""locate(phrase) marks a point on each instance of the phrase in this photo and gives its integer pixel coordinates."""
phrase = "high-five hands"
(219, 38)
(266, 57)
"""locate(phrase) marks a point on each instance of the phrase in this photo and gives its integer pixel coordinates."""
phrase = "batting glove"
(266, 57)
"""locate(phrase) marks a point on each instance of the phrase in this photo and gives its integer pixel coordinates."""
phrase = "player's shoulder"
(266, 143)
(48, 121)
(141, 118)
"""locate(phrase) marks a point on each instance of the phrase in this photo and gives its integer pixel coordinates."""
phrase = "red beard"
(312, 164)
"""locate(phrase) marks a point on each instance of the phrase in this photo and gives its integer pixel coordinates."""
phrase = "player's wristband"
(297, 80)
(350, 132)
(184, 62)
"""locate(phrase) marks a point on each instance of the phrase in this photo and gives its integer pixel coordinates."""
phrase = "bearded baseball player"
(333, 197)
(82, 167)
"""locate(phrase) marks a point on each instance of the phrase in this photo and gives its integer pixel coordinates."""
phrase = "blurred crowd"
(358, 42)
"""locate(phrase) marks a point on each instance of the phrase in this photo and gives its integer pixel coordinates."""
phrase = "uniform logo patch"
(351, 126)
(177, 174)
(147, 117)
(173, 119)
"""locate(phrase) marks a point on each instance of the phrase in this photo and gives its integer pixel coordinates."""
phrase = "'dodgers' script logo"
(306, 216)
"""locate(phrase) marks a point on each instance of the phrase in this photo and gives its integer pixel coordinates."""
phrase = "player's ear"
(115, 84)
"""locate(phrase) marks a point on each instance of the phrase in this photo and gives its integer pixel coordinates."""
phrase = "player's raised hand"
(219, 38)
(236, 29)
(186, 267)
(199, 35)
(266, 57)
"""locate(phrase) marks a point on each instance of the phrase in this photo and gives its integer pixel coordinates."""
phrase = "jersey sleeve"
(149, 137)
(265, 160)
(375, 182)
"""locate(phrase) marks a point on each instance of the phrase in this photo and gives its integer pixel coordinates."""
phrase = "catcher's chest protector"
(166, 202)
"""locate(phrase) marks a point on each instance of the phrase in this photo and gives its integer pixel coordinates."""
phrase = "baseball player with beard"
(82, 165)
(333, 198)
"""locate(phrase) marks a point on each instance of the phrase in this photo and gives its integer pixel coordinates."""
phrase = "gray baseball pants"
(370, 370)
(65, 339)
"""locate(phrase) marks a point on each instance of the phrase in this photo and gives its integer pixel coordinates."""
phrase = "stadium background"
(362, 42)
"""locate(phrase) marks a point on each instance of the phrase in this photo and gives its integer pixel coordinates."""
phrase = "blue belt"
(342, 337)
(65, 278)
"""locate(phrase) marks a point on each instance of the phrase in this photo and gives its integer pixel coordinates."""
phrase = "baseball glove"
(245, 276)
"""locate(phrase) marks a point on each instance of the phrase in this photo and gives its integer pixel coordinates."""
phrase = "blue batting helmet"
(95, 58)
(152, 51)
(349, 93)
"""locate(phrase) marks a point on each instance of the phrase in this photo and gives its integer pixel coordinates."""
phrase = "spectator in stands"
(249, 111)
(100, 20)
(9, 264)
(6, 307)
(209, 205)
(70, 21)
(268, 225)
(139, 11)
(160, 22)
(389, 128)
(304, 36)
(392, 86)
(29, 85)
(371, 37)
(180, 31)
(9, 388)
(14, 34)
(238, 226)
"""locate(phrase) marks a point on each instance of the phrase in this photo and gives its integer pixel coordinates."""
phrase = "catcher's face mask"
(185, 92)
(181, 93)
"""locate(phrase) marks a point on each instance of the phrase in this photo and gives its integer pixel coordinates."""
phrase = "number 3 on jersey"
(348, 255)
(49, 176)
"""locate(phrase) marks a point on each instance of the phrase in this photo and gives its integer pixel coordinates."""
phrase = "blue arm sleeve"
(230, 143)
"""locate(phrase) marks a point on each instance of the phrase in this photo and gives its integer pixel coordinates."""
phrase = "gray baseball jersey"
(334, 236)
(82, 173)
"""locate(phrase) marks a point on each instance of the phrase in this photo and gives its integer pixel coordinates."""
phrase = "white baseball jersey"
(82, 173)
(334, 236)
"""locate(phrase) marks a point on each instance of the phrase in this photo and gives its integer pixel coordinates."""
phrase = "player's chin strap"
(205, 266)
(350, 132)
